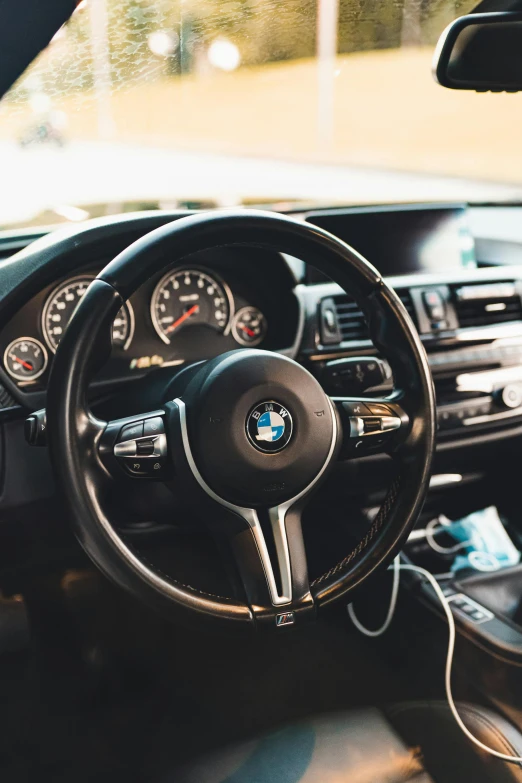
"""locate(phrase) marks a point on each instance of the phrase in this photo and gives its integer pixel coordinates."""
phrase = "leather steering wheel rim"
(74, 433)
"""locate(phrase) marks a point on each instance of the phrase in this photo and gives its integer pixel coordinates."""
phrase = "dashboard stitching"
(377, 524)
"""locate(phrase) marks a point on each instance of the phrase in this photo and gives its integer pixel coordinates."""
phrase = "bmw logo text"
(269, 427)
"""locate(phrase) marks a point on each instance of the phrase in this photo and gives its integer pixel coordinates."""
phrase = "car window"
(146, 103)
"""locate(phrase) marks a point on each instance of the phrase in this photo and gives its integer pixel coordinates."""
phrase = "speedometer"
(61, 305)
(186, 297)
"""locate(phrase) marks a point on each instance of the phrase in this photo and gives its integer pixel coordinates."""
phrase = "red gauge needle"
(190, 311)
(250, 332)
(24, 364)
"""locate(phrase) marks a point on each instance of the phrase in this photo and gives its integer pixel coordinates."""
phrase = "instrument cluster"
(194, 311)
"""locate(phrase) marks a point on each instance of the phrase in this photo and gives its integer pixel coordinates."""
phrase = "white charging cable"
(397, 567)
(441, 525)
(391, 609)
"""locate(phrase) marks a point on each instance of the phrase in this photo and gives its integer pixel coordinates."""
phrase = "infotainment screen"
(402, 240)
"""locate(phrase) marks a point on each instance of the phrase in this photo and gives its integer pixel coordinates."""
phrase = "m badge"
(286, 618)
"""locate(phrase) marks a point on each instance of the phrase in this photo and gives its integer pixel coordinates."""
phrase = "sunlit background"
(147, 103)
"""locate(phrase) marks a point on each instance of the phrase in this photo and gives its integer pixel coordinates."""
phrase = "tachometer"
(190, 296)
(62, 303)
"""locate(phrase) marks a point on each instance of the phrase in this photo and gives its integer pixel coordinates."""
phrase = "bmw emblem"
(269, 427)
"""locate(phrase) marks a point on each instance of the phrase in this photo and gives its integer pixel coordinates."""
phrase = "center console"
(486, 604)
(471, 327)
(469, 318)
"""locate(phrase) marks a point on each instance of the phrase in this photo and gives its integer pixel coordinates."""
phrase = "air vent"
(351, 321)
(486, 305)
(406, 299)
(352, 325)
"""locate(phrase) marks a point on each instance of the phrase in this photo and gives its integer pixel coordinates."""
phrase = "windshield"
(172, 103)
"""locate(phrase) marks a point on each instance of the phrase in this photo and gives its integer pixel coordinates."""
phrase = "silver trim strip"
(498, 332)
(492, 417)
(474, 293)
(444, 479)
(277, 514)
(488, 380)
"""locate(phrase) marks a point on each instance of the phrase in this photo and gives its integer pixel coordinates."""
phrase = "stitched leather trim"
(378, 523)
(169, 578)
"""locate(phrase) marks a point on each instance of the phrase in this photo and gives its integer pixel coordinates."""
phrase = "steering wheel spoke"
(268, 550)
(371, 426)
(136, 447)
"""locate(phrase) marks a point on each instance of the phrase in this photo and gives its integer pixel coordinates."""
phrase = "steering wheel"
(249, 435)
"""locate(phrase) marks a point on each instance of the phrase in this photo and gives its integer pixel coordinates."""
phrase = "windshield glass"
(171, 103)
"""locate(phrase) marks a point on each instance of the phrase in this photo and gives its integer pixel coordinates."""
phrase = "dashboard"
(462, 289)
(199, 308)
(457, 270)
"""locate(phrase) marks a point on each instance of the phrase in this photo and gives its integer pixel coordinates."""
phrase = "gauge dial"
(62, 303)
(190, 296)
(249, 326)
(25, 359)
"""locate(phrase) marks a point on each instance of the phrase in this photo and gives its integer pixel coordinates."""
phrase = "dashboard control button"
(372, 424)
(148, 468)
(35, 428)
(377, 409)
(354, 376)
(125, 449)
(145, 457)
(131, 431)
(390, 423)
(153, 426)
(356, 409)
(145, 447)
(435, 307)
(144, 467)
(135, 466)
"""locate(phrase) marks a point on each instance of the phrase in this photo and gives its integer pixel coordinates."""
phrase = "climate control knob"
(511, 395)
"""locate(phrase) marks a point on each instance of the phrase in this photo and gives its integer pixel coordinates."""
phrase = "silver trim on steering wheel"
(277, 514)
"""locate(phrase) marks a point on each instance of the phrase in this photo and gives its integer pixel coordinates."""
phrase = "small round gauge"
(25, 359)
(249, 326)
(185, 297)
(62, 303)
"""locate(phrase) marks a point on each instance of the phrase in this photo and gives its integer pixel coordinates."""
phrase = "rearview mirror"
(481, 52)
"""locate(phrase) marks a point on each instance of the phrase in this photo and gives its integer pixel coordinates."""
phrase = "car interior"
(259, 459)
